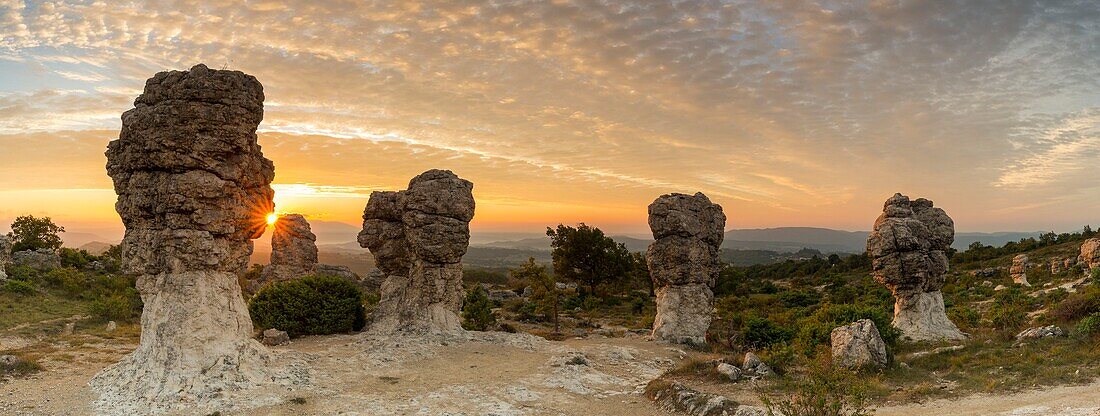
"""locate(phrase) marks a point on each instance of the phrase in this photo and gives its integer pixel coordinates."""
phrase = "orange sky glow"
(785, 113)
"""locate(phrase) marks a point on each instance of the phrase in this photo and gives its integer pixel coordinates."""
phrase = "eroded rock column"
(683, 263)
(1018, 271)
(193, 191)
(293, 249)
(1090, 254)
(418, 237)
(908, 250)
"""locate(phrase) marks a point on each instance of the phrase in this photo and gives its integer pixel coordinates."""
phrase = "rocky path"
(477, 374)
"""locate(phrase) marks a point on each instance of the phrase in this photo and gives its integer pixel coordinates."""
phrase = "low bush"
(19, 367)
(1009, 310)
(823, 391)
(966, 318)
(68, 279)
(19, 287)
(477, 314)
(1077, 305)
(71, 257)
(1090, 326)
(761, 333)
(817, 328)
(311, 305)
(121, 306)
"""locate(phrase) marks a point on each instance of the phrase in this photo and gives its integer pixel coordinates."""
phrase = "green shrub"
(20, 287)
(1077, 305)
(23, 273)
(117, 307)
(1009, 309)
(1090, 326)
(311, 305)
(761, 333)
(477, 314)
(817, 328)
(71, 257)
(68, 279)
(824, 391)
(966, 318)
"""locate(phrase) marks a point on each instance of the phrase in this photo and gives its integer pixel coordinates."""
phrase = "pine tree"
(477, 313)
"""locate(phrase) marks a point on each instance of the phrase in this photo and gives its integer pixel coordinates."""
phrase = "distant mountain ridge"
(782, 240)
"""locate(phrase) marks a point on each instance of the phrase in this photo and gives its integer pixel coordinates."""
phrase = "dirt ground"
(477, 374)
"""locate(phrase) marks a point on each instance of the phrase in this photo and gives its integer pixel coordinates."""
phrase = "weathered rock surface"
(293, 250)
(1090, 254)
(858, 345)
(1056, 266)
(753, 367)
(343, 272)
(418, 237)
(1041, 332)
(5, 255)
(1018, 272)
(42, 259)
(730, 371)
(683, 263)
(908, 249)
(678, 398)
(193, 191)
(274, 337)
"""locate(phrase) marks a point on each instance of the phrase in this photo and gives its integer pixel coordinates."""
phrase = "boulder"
(683, 264)
(1056, 266)
(677, 398)
(193, 192)
(111, 326)
(1041, 332)
(753, 367)
(1090, 254)
(502, 295)
(858, 345)
(418, 237)
(42, 259)
(293, 250)
(343, 272)
(908, 249)
(730, 371)
(1018, 272)
(275, 337)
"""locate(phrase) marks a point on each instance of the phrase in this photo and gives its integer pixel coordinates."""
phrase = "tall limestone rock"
(193, 192)
(1018, 271)
(293, 249)
(418, 237)
(5, 255)
(1090, 254)
(908, 249)
(683, 263)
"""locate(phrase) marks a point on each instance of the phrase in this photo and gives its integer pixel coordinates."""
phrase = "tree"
(30, 233)
(544, 289)
(477, 313)
(585, 255)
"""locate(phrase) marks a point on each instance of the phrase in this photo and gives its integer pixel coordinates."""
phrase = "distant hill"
(96, 247)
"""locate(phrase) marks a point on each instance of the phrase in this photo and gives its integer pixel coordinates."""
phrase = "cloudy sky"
(788, 113)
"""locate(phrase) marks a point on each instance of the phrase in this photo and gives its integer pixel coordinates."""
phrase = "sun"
(272, 218)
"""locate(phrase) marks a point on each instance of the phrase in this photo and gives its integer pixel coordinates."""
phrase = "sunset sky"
(787, 113)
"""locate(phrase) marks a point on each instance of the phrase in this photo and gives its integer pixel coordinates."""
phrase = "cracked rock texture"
(1018, 271)
(908, 249)
(418, 237)
(683, 263)
(5, 255)
(293, 249)
(193, 191)
(858, 345)
(1090, 254)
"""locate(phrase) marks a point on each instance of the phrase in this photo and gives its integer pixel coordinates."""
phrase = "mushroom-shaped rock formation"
(1018, 271)
(908, 254)
(1090, 254)
(683, 263)
(418, 237)
(293, 249)
(193, 191)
